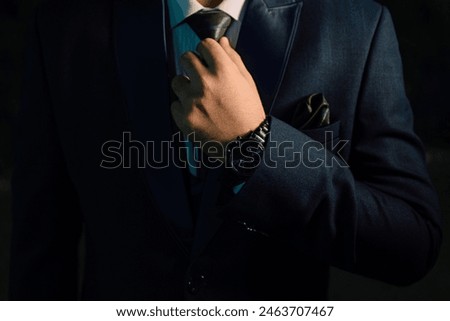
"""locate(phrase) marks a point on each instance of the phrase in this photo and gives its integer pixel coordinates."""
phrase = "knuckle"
(175, 83)
(188, 57)
(206, 85)
(235, 56)
(191, 118)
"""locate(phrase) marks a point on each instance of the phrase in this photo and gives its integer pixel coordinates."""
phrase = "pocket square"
(312, 112)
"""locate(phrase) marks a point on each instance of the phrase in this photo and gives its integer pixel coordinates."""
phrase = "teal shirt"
(185, 39)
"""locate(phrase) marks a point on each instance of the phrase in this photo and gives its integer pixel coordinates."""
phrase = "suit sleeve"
(379, 216)
(46, 219)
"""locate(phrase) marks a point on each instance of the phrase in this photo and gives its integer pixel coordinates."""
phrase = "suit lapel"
(143, 72)
(265, 41)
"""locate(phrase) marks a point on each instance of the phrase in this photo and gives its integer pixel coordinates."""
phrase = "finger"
(212, 53)
(179, 116)
(176, 107)
(224, 42)
(192, 66)
(181, 86)
(235, 57)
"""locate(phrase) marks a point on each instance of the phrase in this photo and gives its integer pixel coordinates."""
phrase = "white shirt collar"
(181, 9)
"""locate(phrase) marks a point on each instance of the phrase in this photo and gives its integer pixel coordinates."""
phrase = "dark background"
(423, 28)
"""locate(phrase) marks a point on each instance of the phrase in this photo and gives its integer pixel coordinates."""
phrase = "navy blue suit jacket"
(97, 69)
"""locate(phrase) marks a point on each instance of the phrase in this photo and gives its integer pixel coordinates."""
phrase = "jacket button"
(194, 283)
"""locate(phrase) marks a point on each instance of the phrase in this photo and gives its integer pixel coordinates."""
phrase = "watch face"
(244, 156)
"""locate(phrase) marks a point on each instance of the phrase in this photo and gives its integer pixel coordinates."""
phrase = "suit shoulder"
(346, 18)
(357, 10)
(369, 5)
(65, 19)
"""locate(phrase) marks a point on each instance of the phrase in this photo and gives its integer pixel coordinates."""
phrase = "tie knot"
(209, 24)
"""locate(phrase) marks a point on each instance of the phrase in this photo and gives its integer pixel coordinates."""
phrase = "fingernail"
(185, 55)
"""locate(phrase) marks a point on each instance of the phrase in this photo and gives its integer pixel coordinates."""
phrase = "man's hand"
(218, 99)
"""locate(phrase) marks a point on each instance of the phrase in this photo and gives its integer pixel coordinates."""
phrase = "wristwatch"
(244, 154)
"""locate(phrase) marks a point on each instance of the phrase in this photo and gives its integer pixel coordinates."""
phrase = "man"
(101, 72)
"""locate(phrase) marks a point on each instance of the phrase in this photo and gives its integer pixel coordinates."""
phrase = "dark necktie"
(206, 24)
(209, 24)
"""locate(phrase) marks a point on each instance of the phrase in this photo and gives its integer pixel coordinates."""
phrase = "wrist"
(244, 154)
